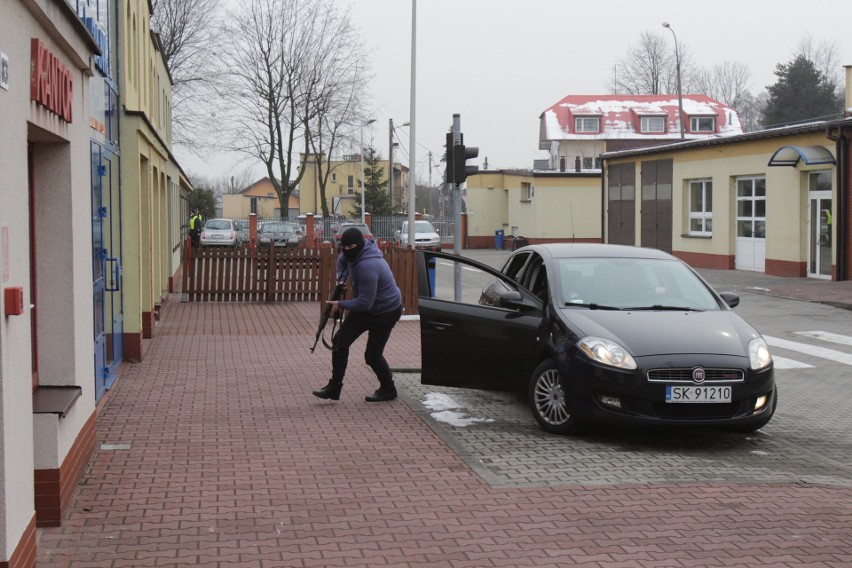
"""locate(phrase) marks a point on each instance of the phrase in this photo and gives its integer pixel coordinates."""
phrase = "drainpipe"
(842, 149)
(603, 201)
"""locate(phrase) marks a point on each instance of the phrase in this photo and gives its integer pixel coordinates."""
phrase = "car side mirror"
(513, 299)
(731, 299)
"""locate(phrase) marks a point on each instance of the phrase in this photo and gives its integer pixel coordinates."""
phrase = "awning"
(811, 155)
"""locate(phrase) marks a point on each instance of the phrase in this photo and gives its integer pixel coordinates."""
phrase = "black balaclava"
(352, 236)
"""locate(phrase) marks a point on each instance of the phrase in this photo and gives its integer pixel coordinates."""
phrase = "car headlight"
(606, 352)
(758, 354)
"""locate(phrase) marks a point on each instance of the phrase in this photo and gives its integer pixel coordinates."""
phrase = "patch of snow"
(457, 418)
(445, 409)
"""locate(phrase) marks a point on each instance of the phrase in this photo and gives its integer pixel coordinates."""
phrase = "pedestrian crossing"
(813, 350)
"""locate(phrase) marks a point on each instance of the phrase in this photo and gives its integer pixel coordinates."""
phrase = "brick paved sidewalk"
(230, 461)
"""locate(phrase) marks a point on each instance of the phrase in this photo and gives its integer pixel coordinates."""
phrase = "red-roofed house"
(579, 128)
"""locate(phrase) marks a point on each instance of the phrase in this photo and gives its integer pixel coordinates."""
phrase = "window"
(587, 124)
(702, 124)
(350, 184)
(527, 192)
(751, 207)
(652, 124)
(591, 163)
(333, 177)
(700, 202)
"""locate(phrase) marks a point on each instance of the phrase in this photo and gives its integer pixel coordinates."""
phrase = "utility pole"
(390, 160)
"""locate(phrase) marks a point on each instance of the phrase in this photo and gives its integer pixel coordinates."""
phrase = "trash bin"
(499, 237)
(430, 271)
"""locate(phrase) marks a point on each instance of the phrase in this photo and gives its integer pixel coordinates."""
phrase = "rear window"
(219, 224)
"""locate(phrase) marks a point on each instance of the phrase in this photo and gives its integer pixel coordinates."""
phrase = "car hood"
(645, 333)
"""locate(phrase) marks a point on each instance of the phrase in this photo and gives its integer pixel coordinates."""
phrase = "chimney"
(848, 107)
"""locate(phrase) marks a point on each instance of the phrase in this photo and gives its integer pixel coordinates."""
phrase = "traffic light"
(449, 156)
(462, 153)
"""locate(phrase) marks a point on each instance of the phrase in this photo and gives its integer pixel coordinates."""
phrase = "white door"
(820, 225)
(751, 224)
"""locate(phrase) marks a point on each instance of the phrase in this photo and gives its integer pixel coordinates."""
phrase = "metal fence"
(383, 227)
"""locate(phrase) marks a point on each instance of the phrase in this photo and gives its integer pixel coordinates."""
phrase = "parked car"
(242, 228)
(219, 232)
(595, 333)
(425, 236)
(300, 231)
(365, 230)
(280, 233)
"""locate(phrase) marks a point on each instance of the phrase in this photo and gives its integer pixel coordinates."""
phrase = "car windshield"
(423, 227)
(218, 224)
(276, 228)
(631, 283)
(363, 228)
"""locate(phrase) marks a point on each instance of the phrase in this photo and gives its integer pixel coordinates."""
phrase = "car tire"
(548, 401)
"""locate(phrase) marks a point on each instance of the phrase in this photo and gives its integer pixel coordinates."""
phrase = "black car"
(595, 333)
(279, 233)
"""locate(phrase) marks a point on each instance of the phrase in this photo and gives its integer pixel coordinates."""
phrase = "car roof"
(596, 250)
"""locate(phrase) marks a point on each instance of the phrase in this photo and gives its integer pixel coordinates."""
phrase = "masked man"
(375, 308)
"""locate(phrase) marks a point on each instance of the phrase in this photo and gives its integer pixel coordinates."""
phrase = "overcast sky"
(501, 63)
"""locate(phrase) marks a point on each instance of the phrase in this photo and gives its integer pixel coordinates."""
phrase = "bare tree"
(336, 102)
(186, 29)
(268, 84)
(233, 183)
(292, 67)
(825, 56)
(650, 68)
(727, 82)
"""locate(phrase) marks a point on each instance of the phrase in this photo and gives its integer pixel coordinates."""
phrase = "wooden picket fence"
(277, 274)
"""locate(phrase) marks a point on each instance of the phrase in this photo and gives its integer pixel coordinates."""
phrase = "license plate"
(697, 394)
(218, 236)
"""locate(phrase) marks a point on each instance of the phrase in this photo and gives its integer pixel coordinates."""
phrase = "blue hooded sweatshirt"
(374, 289)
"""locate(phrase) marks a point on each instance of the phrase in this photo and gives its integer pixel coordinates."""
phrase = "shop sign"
(51, 83)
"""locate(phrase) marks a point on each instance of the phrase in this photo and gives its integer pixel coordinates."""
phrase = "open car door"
(478, 327)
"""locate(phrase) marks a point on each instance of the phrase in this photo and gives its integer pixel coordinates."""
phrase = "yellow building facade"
(154, 188)
(259, 198)
(541, 207)
(343, 188)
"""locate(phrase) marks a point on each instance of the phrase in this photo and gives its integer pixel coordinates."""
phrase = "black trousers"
(379, 328)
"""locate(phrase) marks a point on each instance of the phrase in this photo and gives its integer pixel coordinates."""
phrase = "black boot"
(331, 390)
(387, 391)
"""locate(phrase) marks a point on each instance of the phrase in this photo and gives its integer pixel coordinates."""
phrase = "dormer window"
(702, 124)
(587, 124)
(652, 124)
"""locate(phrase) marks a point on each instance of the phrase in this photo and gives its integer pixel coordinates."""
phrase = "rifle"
(337, 294)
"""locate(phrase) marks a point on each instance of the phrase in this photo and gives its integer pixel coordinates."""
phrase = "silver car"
(219, 232)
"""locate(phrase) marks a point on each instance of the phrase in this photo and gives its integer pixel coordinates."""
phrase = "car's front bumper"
(597, 393)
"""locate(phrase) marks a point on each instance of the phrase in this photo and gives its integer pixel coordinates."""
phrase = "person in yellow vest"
(195, 224)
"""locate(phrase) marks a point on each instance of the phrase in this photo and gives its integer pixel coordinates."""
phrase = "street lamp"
(363, 185)
(679, 92)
